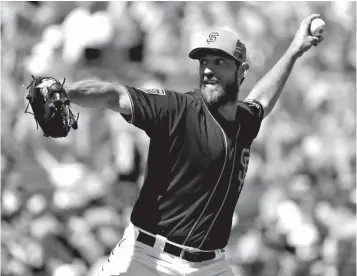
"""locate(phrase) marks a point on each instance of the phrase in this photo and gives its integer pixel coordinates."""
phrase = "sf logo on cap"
(212, 37)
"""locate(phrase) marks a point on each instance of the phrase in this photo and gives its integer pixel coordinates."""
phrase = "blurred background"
(65, 202)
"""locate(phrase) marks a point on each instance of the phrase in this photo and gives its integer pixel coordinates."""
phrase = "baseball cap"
(222, 41)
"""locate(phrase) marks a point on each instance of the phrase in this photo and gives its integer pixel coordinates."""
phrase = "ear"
(243, 71)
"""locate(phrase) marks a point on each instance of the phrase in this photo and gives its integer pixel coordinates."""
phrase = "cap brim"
(200, 52)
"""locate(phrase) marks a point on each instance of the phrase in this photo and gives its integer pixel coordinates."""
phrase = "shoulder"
(190, 98)
(194, 94)
(163, 98)
(252, 107)
(243, 105)
(194, 97)
(153, 91)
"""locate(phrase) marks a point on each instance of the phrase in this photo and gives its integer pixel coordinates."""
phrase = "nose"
(208, 72)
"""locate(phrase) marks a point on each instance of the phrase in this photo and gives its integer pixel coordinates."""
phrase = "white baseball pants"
(133, 258)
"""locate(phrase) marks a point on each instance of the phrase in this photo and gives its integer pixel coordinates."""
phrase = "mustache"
(206, 80)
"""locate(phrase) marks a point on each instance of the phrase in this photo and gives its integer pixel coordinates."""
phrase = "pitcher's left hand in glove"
(51, 107)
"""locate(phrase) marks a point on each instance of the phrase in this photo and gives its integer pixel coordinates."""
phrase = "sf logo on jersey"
(212, 37)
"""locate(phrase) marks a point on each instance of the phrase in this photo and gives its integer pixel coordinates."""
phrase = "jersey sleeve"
(253, 113)
(154, 110)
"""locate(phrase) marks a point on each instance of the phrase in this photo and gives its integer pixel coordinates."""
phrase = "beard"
(216, 95)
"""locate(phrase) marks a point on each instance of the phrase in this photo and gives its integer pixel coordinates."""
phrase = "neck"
(228, 110)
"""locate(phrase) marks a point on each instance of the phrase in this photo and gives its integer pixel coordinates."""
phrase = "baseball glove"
(51, 107)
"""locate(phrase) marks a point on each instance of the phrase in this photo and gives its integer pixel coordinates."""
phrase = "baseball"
(317, 27)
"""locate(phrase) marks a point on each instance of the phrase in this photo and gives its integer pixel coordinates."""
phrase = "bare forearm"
(269, 88)
(90, 93)
(99, 94)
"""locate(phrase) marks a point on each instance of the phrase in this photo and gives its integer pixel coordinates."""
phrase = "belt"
(177, 251)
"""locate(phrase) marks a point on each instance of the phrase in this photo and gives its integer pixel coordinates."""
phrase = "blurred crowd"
(65, 202)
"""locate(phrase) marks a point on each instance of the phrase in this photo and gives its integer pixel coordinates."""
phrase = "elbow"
(267, 112)
(267, 106)
(119, 100)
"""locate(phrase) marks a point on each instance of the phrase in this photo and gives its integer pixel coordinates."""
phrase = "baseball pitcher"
(198, 155)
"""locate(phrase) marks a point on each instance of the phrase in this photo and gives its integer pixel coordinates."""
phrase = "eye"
(220, 61)
(203, 61)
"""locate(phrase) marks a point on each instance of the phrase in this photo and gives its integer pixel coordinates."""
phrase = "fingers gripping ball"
(317, 27)
(51, 107)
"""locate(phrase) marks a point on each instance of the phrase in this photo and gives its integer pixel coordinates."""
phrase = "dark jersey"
(196, 165)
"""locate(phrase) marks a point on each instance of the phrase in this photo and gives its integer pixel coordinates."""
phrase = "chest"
(207, 144)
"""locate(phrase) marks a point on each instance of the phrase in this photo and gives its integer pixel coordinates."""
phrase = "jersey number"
(244, 160)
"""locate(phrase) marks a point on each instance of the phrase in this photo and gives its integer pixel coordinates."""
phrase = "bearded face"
(218, 80)
(215, 93)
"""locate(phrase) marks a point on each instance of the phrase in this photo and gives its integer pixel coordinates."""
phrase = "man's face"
(218, 79)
